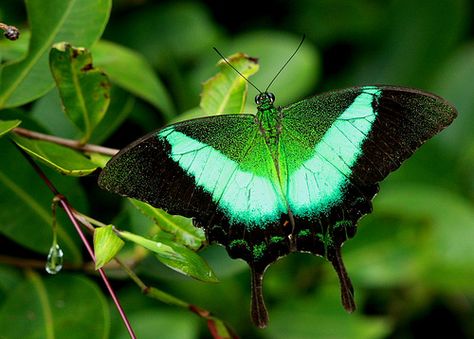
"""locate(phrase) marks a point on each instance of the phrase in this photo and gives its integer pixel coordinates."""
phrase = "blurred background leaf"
(55, 308)
(131, 71)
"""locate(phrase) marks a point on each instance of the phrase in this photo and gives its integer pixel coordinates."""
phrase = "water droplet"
(54, 263)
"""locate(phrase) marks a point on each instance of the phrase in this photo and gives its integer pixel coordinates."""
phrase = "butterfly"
(286, 179)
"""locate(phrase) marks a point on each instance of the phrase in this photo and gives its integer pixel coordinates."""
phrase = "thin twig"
(69, 211)
(35, 263)
(65, 142)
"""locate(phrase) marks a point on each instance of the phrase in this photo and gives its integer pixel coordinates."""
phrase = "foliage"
(89, 74)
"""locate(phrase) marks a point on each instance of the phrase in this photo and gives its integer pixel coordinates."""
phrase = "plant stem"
(65, 142)
(34, 263)
(88, 221)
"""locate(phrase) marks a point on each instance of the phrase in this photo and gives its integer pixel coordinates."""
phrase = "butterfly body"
(289, 179)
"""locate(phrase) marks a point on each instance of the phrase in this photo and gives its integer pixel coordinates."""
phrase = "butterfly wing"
(217, 170)
(353, 139)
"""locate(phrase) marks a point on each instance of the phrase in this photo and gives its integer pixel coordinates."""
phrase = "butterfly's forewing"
(390, 123)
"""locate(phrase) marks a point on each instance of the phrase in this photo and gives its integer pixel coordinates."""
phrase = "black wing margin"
(406, 118)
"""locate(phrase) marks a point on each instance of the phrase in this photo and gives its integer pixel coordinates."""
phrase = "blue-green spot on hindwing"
(259, 251)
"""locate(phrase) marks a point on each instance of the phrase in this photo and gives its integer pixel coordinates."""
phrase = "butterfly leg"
(258, 310)
(347, 291)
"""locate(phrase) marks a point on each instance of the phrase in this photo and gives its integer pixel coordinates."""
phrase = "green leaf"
(48, 112)
(64, 307)
(413, 42)
(60, 158)
(30, 78)
(446, 254)
(322, 316)
(25, 215)
(84, 90)
(121, 106)
(453, 81)
(226, 92)
(99, 159)
(182, 228)
(186, 29)
(7, 125)
(106, 245)
(132, 72)
(175, 256)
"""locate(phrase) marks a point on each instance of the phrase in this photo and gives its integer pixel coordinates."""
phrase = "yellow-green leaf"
(226, 92)
(106, 245)
(182, 228)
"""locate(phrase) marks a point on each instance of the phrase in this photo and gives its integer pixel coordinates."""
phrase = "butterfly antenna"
(235, 69)
(286, 63)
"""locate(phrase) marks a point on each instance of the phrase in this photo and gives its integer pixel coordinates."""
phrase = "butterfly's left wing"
(338, 145)
(217, 170)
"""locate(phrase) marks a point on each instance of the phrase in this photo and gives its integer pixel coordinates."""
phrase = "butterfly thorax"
(269, 121)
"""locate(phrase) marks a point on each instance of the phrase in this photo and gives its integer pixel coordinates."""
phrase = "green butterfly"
(289, 179)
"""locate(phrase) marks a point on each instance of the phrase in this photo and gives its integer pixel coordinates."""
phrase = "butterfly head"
(264, 99)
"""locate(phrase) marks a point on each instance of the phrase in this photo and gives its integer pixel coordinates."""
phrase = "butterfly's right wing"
(351, 140)
(340, 144)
